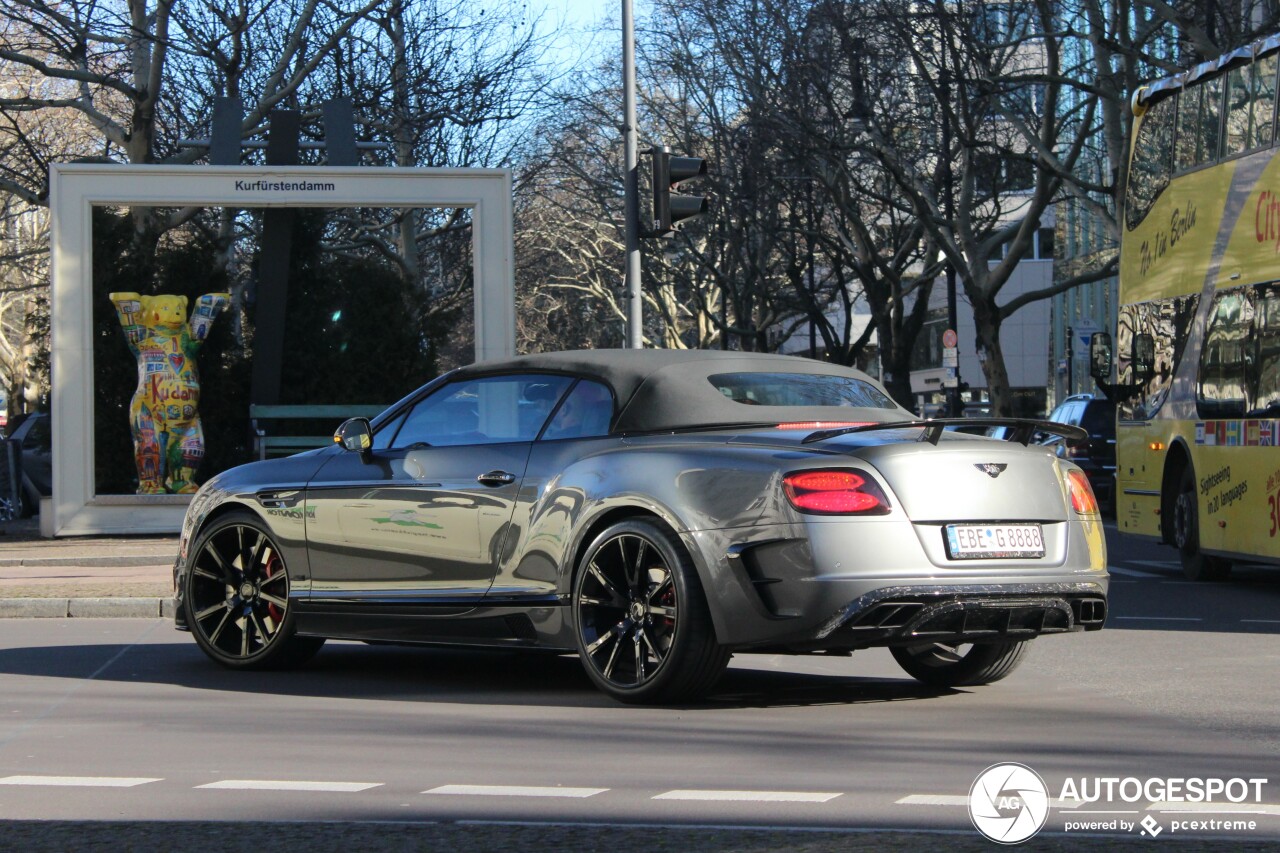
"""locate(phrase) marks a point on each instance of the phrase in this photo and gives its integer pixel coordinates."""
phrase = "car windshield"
(799, 389)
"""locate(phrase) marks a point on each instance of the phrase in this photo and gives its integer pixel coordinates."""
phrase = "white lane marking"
(958, 800)
(1158, 564)
(1120, 570)
(749, 796)
(1215, 808)
(289, 785)
(1160, 618)
(933, 800)
(1262, 621)
(78, 781)
(515, 791)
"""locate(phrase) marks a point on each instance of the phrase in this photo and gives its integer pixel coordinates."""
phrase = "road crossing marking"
(1161, 618)
(932, 800)
(78, 781)
(289, 785)
(749, 796)
(959, 800)
(515, 791)
(1215, 808)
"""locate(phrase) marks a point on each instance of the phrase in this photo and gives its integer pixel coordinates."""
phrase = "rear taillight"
(835, 492)
(1082, 498)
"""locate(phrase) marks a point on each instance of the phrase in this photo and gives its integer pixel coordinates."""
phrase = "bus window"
(1168, 322)
(1238, 110)
(1152, 156)
(1209, 128)
(1264, 101)
(1265, 383)
(1188, 117)
(1220, 393)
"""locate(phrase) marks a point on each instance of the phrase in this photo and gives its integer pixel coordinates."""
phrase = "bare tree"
(23, 301)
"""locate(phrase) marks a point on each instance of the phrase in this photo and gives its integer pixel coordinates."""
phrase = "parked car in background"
(1096, 456)
(654, 511)
(34, 436)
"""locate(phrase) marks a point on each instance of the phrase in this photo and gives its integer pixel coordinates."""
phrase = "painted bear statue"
(168, 442)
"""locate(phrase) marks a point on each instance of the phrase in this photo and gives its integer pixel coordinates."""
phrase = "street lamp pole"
(635, 329)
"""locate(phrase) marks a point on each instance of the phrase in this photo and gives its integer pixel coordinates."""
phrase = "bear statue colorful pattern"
(168, 442)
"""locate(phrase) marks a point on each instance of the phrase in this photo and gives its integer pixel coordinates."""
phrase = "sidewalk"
(86, 577)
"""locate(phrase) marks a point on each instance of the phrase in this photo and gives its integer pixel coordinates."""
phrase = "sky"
(584, 12)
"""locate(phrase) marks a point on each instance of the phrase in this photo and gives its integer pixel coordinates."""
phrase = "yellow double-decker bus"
(1197, 344)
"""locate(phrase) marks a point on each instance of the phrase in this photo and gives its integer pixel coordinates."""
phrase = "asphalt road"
(124, 721)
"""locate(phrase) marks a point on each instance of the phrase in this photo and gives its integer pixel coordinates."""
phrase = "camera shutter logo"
(1008, 803)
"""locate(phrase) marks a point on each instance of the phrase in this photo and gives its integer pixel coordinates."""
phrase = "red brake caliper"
(669, 600)
(273, 566)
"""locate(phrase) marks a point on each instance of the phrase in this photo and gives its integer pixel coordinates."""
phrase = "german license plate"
(994, 541)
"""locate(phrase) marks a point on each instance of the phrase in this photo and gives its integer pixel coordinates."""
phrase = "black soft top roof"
(662, 389)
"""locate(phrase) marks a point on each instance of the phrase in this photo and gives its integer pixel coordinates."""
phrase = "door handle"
(496, 478)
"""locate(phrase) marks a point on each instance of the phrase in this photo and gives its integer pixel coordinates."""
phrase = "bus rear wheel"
(1196, 565)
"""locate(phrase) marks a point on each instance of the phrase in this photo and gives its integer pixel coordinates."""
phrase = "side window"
(1188, 117)
(1169, 323)
(39, 437)
(1210, 127)
(1265, 382)
(492, 410)
(1152, 161)
(1239, 109)
(382, 438)
(1264, 101)
(1220, 393)
(586, 412)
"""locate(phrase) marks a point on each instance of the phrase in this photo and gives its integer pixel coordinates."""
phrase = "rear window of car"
(800, 389)
(1067, 413)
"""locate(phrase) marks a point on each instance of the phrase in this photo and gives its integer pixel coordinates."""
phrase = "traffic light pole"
(635, 328)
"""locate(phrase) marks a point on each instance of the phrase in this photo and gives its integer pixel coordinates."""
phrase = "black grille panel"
(968, 618)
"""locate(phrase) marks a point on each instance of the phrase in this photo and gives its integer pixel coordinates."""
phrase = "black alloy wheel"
(237, 598)
(1196, 565)
(959, 664)
(643, 628)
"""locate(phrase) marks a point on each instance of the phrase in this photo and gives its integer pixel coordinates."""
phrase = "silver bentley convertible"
(654, 511)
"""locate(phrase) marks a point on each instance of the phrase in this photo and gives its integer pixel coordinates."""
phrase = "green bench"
(275, 442)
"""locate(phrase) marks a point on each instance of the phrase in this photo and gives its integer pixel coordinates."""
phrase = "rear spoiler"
(1023, 429)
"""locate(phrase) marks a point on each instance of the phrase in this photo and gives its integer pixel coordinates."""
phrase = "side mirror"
(355, 435)
(1144, 358)
(1100, 356)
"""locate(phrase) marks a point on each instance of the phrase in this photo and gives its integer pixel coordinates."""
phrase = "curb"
(86, 608)
(97, 561)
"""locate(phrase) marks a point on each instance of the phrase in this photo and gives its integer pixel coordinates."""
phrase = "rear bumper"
(906, 615)
(813, 587)
(960, 614)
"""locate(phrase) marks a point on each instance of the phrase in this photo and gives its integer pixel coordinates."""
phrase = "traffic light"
(668, 206)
